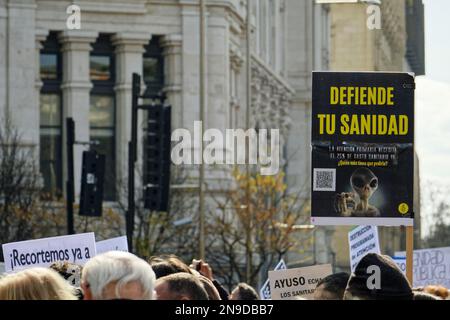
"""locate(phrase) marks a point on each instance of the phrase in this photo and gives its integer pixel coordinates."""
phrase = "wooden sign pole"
(409, 253)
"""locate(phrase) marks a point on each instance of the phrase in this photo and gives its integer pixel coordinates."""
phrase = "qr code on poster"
(324, 180)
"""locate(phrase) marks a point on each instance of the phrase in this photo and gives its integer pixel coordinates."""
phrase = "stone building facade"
(49, 73)
(355, 47)
(308, 49)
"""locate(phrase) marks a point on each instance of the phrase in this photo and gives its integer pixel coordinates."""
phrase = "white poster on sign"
(362, 240)
(300, 282)
(430, 267)
(113, 244)
(401, 263)
(77, 248)
(264, 292)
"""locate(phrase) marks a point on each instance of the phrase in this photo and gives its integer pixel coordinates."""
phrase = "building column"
(218, 90)
(76, 86)
(20, 70)
(40, 36)
(256, 96)
(236, 95)
(171, 45)
(218, 71)
(129, 49)
(190, 49)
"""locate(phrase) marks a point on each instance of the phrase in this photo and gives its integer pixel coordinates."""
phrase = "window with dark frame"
(50, 124)
(102, 115)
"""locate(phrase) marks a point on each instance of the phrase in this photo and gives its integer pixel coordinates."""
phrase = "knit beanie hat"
(393, 283)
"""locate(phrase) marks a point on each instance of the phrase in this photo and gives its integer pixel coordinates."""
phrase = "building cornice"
(22, 4)
(131, 42)
(111, 7)
(237, 21)
(82, 36)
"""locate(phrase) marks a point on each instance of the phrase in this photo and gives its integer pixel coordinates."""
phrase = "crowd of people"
(118, 275)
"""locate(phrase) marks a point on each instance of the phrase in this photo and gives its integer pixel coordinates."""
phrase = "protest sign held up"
(113, 244)
(362, 148)
(77, 248)
(362, 240)
(300, 282)
(400, 262)
(264, 292)
(430, 266)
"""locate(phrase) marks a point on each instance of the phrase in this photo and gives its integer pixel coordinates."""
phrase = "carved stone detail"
(270, 100)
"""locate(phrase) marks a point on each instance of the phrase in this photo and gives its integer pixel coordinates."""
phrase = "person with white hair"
(118, 275)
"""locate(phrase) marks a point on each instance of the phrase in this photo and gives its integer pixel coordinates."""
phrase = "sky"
(433, 101)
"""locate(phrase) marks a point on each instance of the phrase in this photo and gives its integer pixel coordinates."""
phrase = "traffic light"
(92, 176)
(157, 158)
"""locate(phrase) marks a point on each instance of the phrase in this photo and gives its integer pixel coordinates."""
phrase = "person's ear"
(87, 293)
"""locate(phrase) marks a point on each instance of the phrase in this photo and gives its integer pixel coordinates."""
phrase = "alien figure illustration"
(364, 183)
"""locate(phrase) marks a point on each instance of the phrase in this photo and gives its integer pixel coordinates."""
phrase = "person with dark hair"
(163, 269)
(211, 290)
(390, 285)
(165, 265)
(180, 286)
(244, 291)
(168, 264)
(332, 287)
(205, 270)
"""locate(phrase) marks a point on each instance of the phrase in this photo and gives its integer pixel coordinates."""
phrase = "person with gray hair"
(118, 275)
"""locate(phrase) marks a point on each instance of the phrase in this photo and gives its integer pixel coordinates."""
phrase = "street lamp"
(202, 76)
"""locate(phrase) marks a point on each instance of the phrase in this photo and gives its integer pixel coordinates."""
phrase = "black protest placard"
(362, 148)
